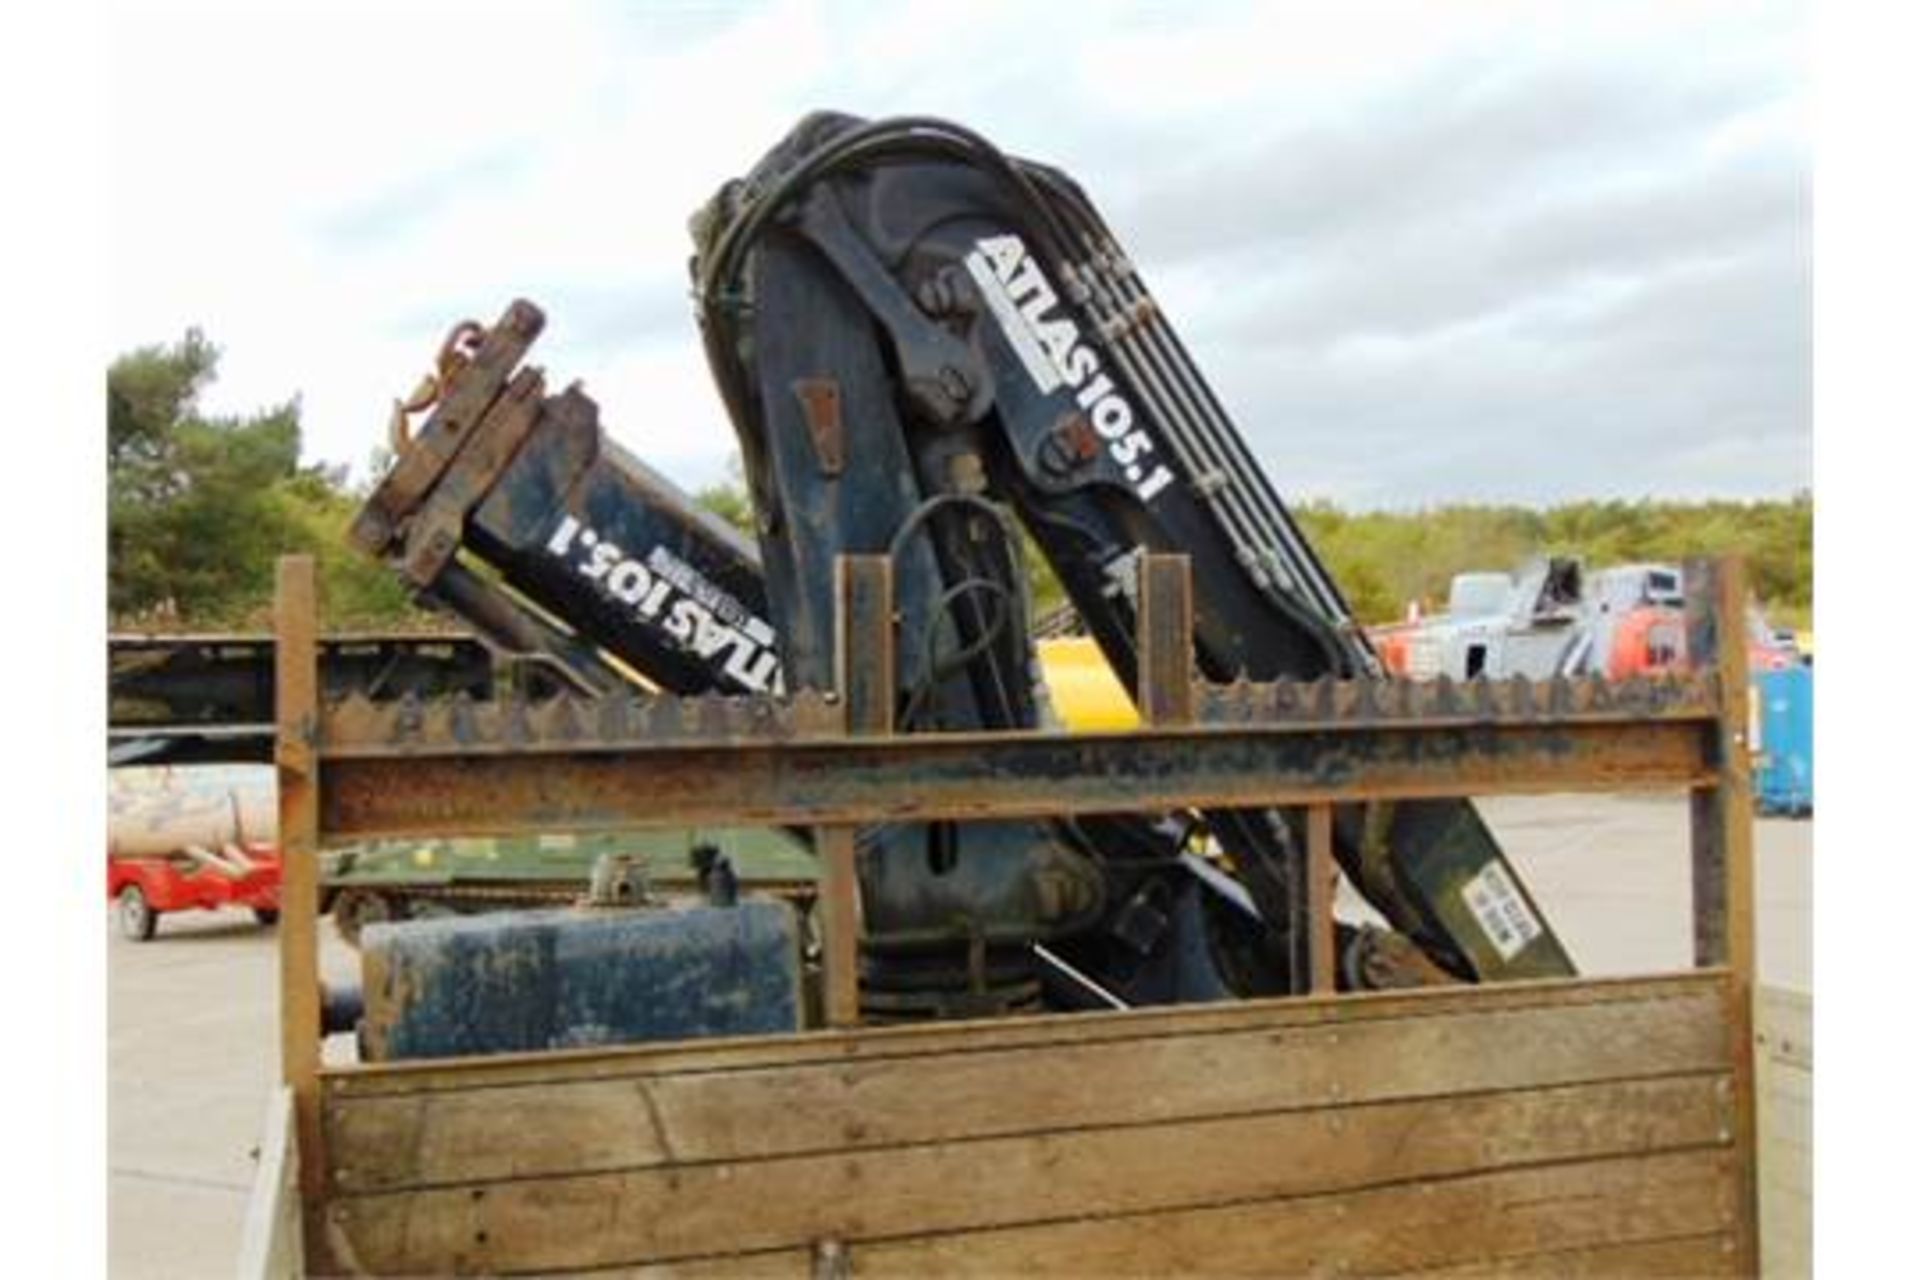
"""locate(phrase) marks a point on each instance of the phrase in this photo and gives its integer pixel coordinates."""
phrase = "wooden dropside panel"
(1784, 1094)
(1441, 1222)
(1682, 1258)
(1464, 1129)
(938, 1038)
(674, 1117)
(687, 1211)
(270, 1242)
(1659, 1215)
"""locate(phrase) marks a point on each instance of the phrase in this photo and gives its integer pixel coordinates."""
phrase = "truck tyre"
(137, 916)
(267, 916)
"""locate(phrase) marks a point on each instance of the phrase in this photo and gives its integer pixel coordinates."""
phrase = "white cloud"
(326, 188)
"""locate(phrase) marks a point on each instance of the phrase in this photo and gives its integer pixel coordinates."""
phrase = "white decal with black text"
(1501, 911)
(675, 598)
(1020, 297)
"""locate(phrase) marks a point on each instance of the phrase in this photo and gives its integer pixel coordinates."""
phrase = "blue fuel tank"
(538, 980)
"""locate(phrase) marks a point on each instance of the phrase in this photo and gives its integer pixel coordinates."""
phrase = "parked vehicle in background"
(190, 838)
(1554, 618)
(144, 889)
(1538, 623)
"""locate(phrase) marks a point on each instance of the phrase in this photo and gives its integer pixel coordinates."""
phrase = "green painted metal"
(507, 861)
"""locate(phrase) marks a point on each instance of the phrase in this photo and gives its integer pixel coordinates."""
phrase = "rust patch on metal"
(820, 403)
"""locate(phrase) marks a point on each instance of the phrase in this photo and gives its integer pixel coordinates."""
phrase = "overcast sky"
(1425, 252)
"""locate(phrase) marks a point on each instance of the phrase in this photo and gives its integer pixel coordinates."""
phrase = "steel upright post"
(296, 711)
(1722, 828)
(864, 680)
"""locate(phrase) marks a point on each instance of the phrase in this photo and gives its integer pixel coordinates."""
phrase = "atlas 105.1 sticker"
(1049, 344)
(678, 602)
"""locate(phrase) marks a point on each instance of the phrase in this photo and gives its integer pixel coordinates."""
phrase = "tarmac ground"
(192, 1039)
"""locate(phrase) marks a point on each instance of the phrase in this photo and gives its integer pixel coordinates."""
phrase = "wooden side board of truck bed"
(1560, 1127)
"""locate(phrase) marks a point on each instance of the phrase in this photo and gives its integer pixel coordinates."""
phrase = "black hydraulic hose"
(1237, 461)
(1133, 291)
(1013, 608)
(940, 669)
(1162, 346)
(1161, 389)
(915, 135)
(1147, 384)
(902, 135)
(1218, 448)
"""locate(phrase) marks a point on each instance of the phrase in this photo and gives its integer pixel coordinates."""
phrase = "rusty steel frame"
(832, 760)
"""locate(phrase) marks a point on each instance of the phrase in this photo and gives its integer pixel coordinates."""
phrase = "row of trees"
(1384, 560)
(199, 506)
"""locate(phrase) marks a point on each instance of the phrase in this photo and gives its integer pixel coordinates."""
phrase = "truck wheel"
(354, 909)
(137, 916)
(268, 916)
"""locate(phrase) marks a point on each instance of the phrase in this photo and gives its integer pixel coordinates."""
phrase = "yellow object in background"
(1085, 692)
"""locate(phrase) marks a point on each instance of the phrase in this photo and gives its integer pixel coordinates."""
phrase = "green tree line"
(199, 507)
(1385, 559)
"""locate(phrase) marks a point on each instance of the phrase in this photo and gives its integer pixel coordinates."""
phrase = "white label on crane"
(1023, 340)
(677, 602)
(1022, 300)
(1501, 911)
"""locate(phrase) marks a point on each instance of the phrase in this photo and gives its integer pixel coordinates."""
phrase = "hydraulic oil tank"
(1783, 740)
(537, 980)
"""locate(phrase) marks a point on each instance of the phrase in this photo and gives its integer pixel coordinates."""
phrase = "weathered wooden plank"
(586, 1126)
(1446, 1222)
(779, 1264)
(1479, 1220)
(1688, 1256)
(978, 1036)
(1784, 1096)
(270, 1243)
(664, 1213)
(1783, 1026)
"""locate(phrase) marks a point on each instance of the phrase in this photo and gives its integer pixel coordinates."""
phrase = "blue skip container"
(1783, 741)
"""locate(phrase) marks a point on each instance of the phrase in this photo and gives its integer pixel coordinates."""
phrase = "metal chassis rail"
(831, 760)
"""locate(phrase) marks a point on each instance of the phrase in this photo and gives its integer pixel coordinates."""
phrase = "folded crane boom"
(929, 350)
(907, 325)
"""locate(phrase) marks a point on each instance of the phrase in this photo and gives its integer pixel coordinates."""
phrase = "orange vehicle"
(1555, 620)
